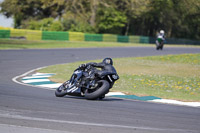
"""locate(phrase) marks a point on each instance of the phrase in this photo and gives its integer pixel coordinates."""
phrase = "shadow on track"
(83, 98)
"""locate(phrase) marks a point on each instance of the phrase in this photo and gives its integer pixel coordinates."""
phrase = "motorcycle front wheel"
(102, 88)
(60, 91)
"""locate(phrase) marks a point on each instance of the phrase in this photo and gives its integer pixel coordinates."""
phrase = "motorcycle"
(159, 43)
(84, 82)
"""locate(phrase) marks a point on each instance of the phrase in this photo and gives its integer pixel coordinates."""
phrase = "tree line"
(178, 18)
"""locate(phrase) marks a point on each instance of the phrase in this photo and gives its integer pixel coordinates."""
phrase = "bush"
(56, 26)
(77, 26)
(47, 24)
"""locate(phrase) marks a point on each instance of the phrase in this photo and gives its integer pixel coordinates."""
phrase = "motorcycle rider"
(106, 67)
(160, 39)
(161, 35)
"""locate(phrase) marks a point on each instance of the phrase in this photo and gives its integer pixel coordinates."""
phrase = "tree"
(161, 15)
(179, 18)
(188, 22)
(111, 21)
(133, 9)
(25, 10)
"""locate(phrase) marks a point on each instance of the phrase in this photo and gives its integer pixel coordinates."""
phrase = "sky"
(5, 22)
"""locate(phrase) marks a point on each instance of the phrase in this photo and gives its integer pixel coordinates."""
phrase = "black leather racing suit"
(105, 68)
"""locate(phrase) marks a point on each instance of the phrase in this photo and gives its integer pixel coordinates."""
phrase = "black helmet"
(108, 61)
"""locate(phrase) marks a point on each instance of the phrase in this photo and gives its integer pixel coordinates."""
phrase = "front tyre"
(60, 91)
(161, 47)
(102, 88)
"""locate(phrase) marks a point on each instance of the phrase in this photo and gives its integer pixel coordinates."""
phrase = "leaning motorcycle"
(86, 83)
(159, 43)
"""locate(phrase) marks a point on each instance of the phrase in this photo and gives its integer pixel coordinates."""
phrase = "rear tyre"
(102, 88)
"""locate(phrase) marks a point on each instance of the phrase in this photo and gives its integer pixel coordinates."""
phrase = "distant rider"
(161, 35)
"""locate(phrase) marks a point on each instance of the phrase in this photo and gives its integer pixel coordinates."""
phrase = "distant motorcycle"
(159, 43)
(85, 83)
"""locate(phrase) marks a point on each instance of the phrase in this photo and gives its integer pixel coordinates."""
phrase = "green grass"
(171, 76)
(25, 44)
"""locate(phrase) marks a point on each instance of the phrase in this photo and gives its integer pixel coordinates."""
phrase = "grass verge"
(170, 76)
(25, 44)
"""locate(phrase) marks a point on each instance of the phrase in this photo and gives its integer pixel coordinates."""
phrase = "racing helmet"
(108, 61)
(162, 32)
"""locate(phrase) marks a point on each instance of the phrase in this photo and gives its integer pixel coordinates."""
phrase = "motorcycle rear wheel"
(102, 88)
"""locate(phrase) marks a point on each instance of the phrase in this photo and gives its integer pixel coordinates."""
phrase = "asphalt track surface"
(29, 109)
